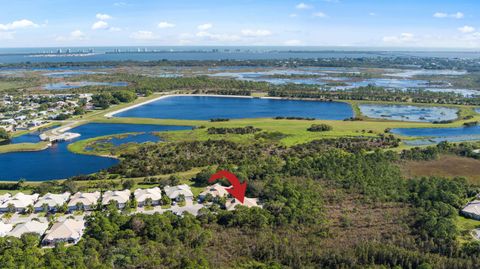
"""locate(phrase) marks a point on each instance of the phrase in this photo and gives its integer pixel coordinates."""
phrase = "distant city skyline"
(347, 23)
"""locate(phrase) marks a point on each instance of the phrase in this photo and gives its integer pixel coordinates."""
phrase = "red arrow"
(237, 190)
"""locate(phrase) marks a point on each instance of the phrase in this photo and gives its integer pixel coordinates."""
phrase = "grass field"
(446, 166)
(465, 227)
(23, 147)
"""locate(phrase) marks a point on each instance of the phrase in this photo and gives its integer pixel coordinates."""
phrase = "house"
(476, 151)
(141, 195)
(86, 201)
(32, 226)
(53, 201)
(248, 202)
(69, 231)
(5, 197)
(216, 190)
(175, 192)
(19, 201)
(120, 197)
(472, 210)
(5, 228)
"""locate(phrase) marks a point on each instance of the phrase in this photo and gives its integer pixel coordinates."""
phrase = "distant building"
(52, 201)
(69, 231)
(19, 201)
(86, 201)
(472, 210)
(175, 192)
(121, 197)
(29, 227)
(141, 195)
(216, 190)
(248, 202)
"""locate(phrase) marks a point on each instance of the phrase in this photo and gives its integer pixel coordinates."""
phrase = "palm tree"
(30, 209)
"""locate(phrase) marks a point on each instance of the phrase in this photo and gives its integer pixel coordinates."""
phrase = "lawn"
(465, 226)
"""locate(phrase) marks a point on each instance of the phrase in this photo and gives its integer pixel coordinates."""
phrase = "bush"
(320, 128)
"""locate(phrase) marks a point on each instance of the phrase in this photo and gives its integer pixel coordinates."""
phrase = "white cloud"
(303, 6)
(164, 24)
(466, 29)
(441, 15)
(372, 14)
(218, 37)
(205, 26)
(115, 29)
(402, 38)
(293, 42)
(18, 25)
(256, 33)
(319, 14)
(76, 35)
(143, 35)
(103, 17)
(119, 4)
(100, 25)
(293, 15)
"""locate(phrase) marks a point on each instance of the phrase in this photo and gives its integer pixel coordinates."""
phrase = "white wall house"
(174, 192)
(5, 228)
(19, 201)
(216, 190)
(121, 197)
(472, 210)
(141, 195)
(69, 231)
(52, 201)
(29, 227)
(248, 202)
(88, 200)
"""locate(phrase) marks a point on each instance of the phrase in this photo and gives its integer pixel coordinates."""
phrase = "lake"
(209, 107)
(68, 74)
(74, 85)
(57, 162)
(408, 112)
(437, 135)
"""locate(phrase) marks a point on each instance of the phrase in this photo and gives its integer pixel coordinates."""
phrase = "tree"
(4, 135)
(11, 208)
(30, 209)
(45, 207)
(166, 200)
(128, 184)
(148, 202)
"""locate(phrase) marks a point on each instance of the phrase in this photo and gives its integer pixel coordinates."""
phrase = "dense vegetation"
(238, 130)
(320, 128)
(105, 99)
(326, 204)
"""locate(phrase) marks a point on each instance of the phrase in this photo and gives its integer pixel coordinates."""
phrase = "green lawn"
(465, 226)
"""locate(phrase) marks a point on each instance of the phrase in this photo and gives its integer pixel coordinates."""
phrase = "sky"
(358, 23)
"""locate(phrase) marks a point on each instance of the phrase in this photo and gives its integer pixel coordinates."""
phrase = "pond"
(408, 112)
(57, 162)
(68, 74)
(437, 135)
(209, 107)
(75, 85)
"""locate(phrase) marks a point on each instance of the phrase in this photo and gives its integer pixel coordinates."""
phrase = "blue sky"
(382, 23)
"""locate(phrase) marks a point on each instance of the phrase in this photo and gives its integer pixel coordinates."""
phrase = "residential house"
(142, 195)
(121, 197)
(5, 197)
(175, 192)
(472, 210)
(83, 201)
(32, 226)
(69, 231)
(5, 228)
(52, 201)
(216, 190)
(19, 201)
(248, 202)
